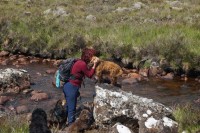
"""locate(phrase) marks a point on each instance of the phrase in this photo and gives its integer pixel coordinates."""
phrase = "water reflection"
(168, 92)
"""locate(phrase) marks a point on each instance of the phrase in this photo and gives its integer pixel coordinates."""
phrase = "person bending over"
(71, 89)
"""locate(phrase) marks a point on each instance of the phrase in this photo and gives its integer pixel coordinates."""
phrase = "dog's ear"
(90, 64)
(59, 102)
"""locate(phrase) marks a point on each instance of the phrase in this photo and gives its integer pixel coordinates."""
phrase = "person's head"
(87, 54)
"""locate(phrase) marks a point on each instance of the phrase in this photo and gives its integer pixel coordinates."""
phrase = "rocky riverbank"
(137, 113)
(107, 108)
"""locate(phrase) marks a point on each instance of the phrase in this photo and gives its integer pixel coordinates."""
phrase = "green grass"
(17, 124)
(188, 118)
(13, 124)
(152, 29)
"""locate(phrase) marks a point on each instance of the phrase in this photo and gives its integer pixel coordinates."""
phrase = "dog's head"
(39, 113)
(94, 59)
(39, 122)
(86, 115)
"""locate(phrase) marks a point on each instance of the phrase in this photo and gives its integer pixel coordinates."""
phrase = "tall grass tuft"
(13, 124)
(188, 118)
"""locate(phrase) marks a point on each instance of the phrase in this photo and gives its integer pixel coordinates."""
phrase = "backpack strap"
(73, 76)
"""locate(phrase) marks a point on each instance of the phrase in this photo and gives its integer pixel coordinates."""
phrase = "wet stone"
(50, 71)
(4, 99)
(39, 96)
(13, 80)
(26, 91)
(4, 53)
(129, 81)
(22, 109)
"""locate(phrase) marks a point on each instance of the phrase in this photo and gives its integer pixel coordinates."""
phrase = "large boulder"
(111, 106)
(13, 80)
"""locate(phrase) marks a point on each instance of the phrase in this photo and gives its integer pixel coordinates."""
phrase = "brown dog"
(107, 68)
(84, 121)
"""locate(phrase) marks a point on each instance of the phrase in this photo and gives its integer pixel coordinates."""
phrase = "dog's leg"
(99, 76)
(113, 80)
(95, 79)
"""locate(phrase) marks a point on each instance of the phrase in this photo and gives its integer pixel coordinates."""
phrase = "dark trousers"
(71, 93)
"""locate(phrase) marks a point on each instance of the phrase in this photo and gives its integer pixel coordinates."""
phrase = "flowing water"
(168, 92)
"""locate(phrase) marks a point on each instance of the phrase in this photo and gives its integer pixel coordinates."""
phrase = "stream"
(167, 92)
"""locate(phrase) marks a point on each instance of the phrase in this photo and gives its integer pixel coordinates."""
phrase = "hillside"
(120, 29)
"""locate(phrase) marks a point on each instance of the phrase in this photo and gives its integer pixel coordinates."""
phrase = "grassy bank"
(13, 124)
(155, 30)
(188, 118)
